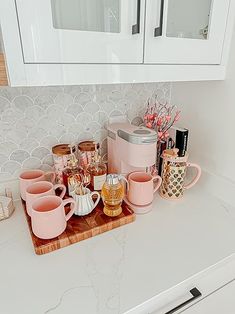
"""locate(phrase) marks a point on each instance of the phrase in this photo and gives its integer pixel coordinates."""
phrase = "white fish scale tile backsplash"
(33, 119)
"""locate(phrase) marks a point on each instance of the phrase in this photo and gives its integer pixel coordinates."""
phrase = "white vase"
(85, 203)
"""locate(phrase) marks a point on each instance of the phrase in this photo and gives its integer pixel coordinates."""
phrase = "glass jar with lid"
(86, 152)
(61, 156)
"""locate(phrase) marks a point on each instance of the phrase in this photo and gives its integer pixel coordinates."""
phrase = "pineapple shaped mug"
(174, 171)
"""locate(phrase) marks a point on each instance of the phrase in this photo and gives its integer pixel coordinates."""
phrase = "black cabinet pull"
(136, 27)
(158, 30)
(195, 294)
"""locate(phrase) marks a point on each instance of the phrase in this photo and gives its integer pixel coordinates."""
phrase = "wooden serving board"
(81, 228)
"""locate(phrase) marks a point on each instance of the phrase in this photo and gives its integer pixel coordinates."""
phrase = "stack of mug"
(47, 211)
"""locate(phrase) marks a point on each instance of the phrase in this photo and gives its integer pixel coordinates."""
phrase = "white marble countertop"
(118, 270)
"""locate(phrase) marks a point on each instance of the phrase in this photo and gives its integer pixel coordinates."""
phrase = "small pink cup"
(31, 176)
(39, 189)
(48, 216)
(142, 188)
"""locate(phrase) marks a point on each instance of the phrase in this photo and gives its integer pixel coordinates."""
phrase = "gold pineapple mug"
(174, 172)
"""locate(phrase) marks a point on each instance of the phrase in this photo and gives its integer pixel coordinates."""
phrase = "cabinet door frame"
(171, 50)
(42, 43)
(22, 74)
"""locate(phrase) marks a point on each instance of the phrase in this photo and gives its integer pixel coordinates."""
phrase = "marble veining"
(110, 273)
(56, 307)
(33, 119)
(107, 299)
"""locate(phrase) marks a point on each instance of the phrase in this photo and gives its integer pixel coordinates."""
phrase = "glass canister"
(86, 152)
(72, 175)
(174, 171)
(98, 171)
(61, 156)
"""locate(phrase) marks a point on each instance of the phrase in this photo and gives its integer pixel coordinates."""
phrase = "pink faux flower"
(166, 135)
(160, 134)
(168, 118)
(159, 122)
(161, 117)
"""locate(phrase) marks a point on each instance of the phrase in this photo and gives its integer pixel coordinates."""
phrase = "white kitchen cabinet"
(66, 42)
(185, 31)
(81, 31)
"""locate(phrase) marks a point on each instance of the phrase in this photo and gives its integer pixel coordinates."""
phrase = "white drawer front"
(220, 302)
(176, 299)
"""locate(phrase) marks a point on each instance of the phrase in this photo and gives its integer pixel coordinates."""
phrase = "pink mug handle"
(72, 210)
(52, 176)
(196, 178)
(60, 186)
(158, 179)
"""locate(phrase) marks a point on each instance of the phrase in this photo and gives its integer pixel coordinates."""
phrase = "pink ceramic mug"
(142, 188)
(48, 216)
(31, 176)
(39, 189)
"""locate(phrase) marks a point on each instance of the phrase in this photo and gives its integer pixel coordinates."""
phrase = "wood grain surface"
(81, 228)
(3, 73)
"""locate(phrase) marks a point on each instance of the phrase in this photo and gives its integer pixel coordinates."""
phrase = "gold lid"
(62, 149)
(88, 146)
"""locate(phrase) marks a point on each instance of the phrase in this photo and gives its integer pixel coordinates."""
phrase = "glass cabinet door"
(188, 18)
(81, 31)
(87, 15)
(185, 31)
